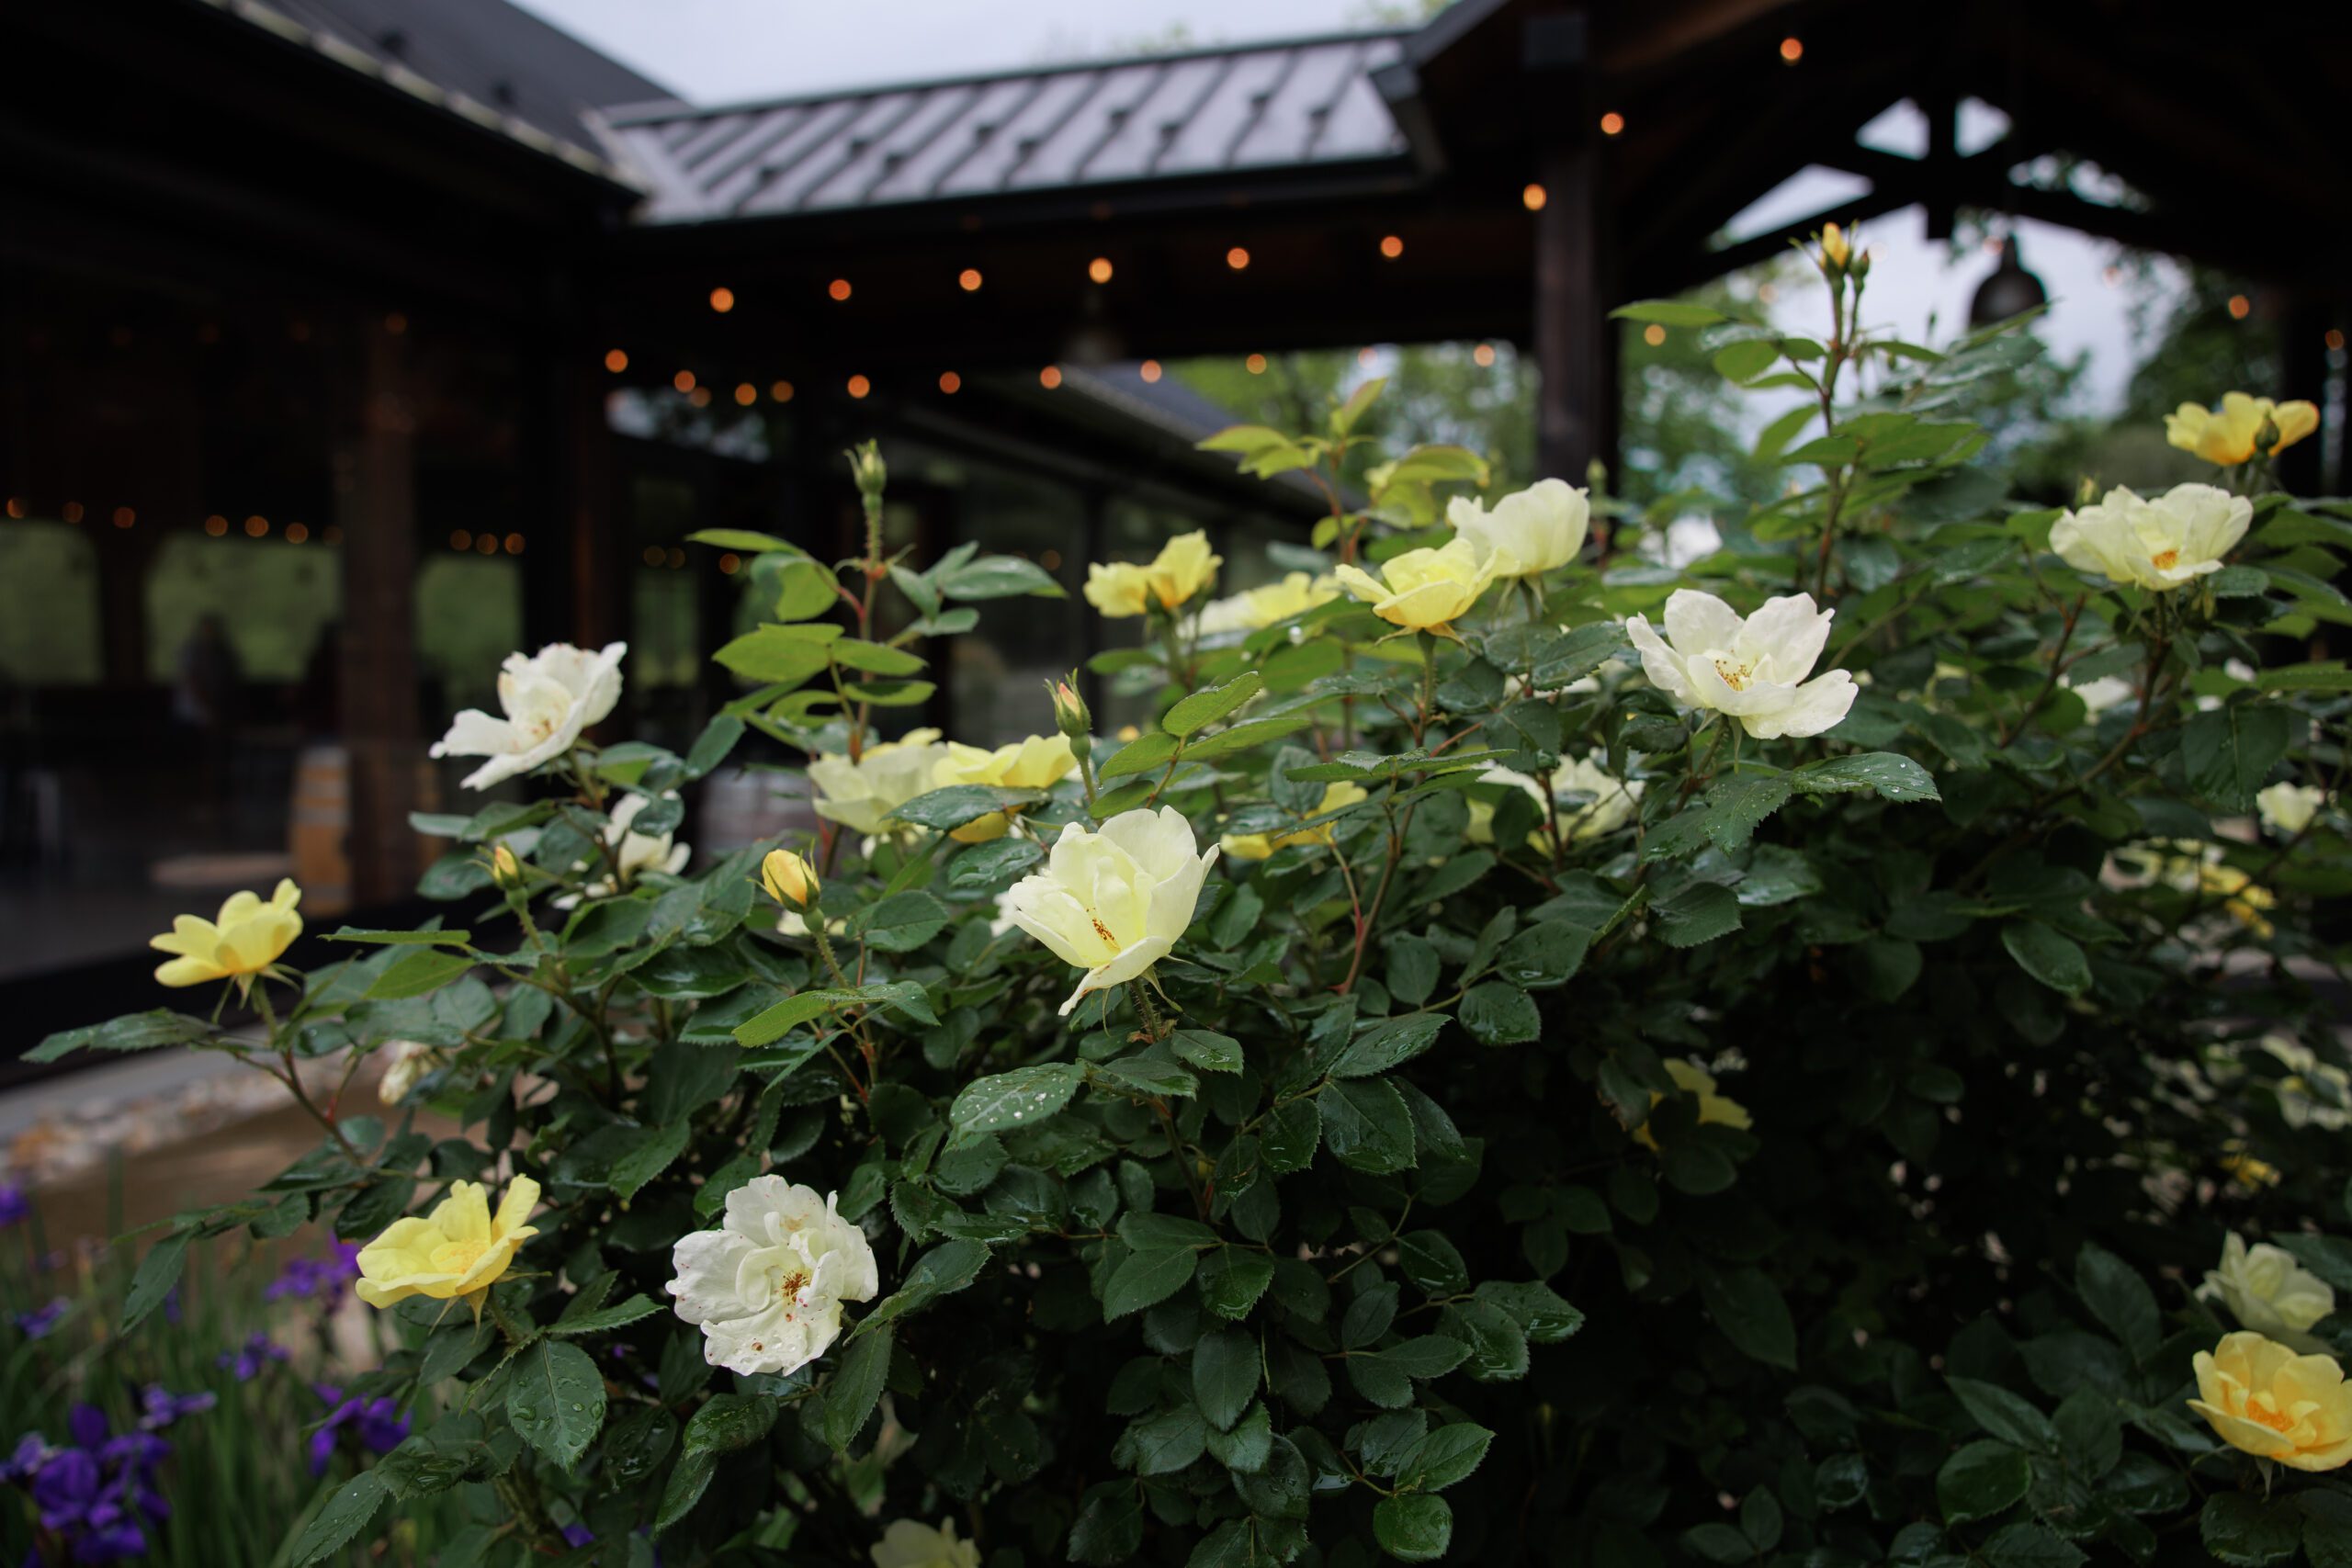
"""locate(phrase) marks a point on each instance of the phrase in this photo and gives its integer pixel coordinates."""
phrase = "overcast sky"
(719, 50)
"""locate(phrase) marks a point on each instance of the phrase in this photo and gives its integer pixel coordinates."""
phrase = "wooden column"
(375, 474)
(2302, 373)
(1574, 406)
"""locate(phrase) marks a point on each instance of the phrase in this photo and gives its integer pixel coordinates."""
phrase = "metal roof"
(1308, 102)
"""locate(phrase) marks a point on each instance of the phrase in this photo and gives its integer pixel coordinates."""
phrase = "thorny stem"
(293, 1079)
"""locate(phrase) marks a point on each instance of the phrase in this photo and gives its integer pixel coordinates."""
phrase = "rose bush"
(1772, 1090)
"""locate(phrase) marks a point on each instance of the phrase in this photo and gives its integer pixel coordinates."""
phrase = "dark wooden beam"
(1570, 308)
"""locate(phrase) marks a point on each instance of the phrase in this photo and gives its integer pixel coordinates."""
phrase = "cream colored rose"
(1253, 608)
(1040, 761)
(766, 1286)
(1185, 567)
(1259, 846)
(911, 1543)
(1539, 528)
(1592, 801)
(1753, 669)
(2158, 543)
(2301, 1103)
(1714, 1108)
(2264, 1398)
(1115, 902)
(861, 795)
(405, 1063)
(2288, 808)
(632, 854)
(548, 698)
(1426, 590)
(2233, 435)
(2267, 1291)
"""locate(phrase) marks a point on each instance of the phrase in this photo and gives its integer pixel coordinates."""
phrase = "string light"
(616, 360)
(396, 324)
(838, 288)
(124, 517)
(859, 386)
(1654, 334)
(2240, 307)
(969, 280)
(216, 524)
(781, 391)
(16, 506)
(1484, 355)
(1237, 258)
(699, 397)
(513, 544)
(746, 394)
(2334, 342)
(683, 381)
(1534, 198)
(256, 526)
(1098, 269)
(1793, 49)
(1612, 123)
(295, 532)
(730, 563)
(1391, 246)
(1148, 371)
(461, 539)
(652, 556)
(486, 544)
(1256, 364)
(678, 557)
(1050, 376)
(950, 383)
(722, 299)
(71, 511)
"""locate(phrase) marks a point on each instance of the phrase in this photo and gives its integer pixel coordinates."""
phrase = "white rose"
(407, 1062)
(766, 1288)
(911, 1543)
(2288, 808)
(2300, 1103)
(2271, 1293)
(860, 794)
(549, 697)
(1592, 802)
(633, 853)
(1113, 902)
(2158, 544)
(2107, 691)
(1753, 669)
(1539, 528)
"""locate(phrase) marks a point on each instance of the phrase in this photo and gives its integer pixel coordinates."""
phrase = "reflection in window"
(272, 599)
(469, 618)
(48, 607)
(997, 671)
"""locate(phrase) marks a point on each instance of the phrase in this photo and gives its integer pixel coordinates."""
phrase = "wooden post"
(1574, 416)
(375, 475)
(2302, 373)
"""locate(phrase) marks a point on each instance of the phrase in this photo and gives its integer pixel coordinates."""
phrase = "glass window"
(996, 673)
(469, 618)
(271, 599)
(48, 607)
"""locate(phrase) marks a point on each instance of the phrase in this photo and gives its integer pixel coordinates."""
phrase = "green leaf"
(790, 1014)
(1445, 1457)
(2228, 750)
(1367, 1125)
(1147, 1279)
(1894, 776)
(874, 658)
(998, 577)
(1388, 1043)
(900, 922)
(947, 809)
(1414, 1528)
(1668, 313)
(944, 1270)
(649, 1152)
(1224, 1375)
(596, 1320)
(2048, 955)
(1984, 1479)
(2247, 1531)
(133, 1031)
(1204, 708)
(1208, 1050)
(1498, 1013)
(730, 1421)
(2005, 1415)
(401, 938)
(347, 1513)
(1747, 359)
(1014, 1099)
(1752, 1313)
(856, 1388)
(742, 539)
(2330, 676)
(774, 656)
(2031, 1546)
(158, 1271)
(689, 1479)
(556, 1400)
(417, 974)
(1231, 1280)
(2116, 1294)
(1139, 756)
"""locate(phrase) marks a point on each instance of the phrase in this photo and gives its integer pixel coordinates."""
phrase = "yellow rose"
(2240, 895)
(2158, 542)
(1426, 591)
(2264, 1398)
(1040, 761)
(1185, 567)
(862, 795)
(789, 879)
(2269, 1292)
(245, 939)
(1114, 902)
(1540, 527)
(1835, 248)
(1257, 846)
(2231, 435)
(456, 1253)
(1713, 1109)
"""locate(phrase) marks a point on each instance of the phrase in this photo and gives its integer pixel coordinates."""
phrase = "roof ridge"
(623, 116)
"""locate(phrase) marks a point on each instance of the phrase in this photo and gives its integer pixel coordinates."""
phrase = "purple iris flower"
(16, 1204)
(23, 1464)
(94, 1492)
(38, 1323)
(159, 1406)
(377, 1423)
(258, 1352)
(322, 1280)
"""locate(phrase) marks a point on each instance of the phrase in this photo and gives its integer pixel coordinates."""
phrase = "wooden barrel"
(318, 823)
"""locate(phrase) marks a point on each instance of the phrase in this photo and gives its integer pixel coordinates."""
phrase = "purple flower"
(377, 1423)
(258, 1352)
(23, 1464)
(94, 1492)
(38, 1323)
(159, 1406)
(317, 1279)
(15, 1205)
